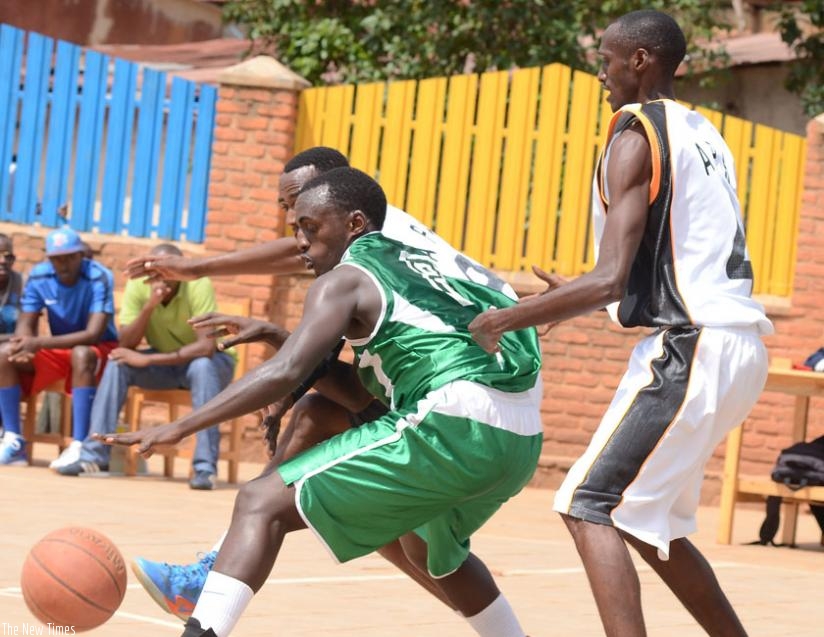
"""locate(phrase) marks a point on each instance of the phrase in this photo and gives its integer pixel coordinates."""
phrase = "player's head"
(64, 248)
(334, 209)
(300, 169)
(171, 285)
(639, 53)
(7, 258)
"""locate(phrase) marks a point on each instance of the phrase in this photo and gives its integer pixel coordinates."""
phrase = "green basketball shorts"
(440, 470)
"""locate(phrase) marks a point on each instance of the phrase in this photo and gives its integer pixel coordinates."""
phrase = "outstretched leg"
(691, 578)
(264, 513)
(612, 577)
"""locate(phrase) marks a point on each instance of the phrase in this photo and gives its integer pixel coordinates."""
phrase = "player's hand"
(484, 332)
(271, 421)
(235, 330)
(157, 267)
(159, 291)
(553, 282)
(23, 348)
(146, 439)
(130, 357)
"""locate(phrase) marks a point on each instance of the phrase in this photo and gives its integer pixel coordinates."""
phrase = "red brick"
(229, 134)
(253, 123)
(231, 106)
(254, 95)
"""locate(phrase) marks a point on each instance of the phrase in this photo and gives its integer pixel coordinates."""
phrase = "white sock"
(221, 603)
(219, 543)
(496, 620)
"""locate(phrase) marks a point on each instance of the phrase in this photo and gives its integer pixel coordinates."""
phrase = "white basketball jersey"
(692, 267)
(404, 228)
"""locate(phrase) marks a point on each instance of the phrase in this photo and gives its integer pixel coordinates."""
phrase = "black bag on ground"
(798, 466)
(801, 465)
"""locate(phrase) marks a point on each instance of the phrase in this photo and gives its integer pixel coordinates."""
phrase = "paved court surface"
(777, 591)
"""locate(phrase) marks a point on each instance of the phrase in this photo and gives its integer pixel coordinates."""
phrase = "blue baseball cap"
(63, 241)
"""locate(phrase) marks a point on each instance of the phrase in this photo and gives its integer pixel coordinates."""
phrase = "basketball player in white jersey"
(671, 256)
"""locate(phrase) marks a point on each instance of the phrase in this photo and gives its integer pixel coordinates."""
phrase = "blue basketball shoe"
(175, 588)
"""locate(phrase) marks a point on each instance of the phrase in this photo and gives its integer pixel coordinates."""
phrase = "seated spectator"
(178, 358)
(50, 413)
(11, 285)
(77, 297)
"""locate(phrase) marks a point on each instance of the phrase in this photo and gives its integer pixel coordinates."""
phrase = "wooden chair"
(60, 438)
(177, 398)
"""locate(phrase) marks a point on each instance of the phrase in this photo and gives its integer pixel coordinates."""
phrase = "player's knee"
(83, 357)
(315, 418)
(5, 352)
(199, 366)
(264, 497)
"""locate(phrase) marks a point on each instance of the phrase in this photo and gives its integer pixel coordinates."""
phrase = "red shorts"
(53, 364)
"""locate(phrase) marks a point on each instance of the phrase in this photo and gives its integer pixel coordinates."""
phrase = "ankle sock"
(497, 620)
(221, 603)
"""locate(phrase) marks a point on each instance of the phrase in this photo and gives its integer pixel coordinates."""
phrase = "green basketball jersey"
(430, 295)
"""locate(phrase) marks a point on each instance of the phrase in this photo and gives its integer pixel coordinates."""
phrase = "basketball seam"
(95, 558)
(38, 610)
(71, 590)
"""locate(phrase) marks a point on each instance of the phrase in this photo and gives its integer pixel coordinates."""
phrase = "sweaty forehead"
(291, 182)
(314, 202)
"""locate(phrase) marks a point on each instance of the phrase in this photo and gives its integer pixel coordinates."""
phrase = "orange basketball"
(74, 577)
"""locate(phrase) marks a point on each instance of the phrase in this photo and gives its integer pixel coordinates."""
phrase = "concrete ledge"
(263, 72)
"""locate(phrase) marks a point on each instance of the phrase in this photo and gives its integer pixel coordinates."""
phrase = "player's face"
(616, 73)
(6, 260)
(67, 267)
(288, 188)
(323, 230)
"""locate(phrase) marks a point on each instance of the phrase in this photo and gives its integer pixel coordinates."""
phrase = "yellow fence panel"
(501, 164)
(456, 159)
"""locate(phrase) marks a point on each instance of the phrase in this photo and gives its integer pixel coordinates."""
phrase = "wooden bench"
(803, 385)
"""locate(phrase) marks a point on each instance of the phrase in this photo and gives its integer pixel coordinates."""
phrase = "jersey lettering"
(426, 267)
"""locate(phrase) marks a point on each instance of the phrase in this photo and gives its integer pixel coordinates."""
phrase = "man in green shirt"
(178, 357)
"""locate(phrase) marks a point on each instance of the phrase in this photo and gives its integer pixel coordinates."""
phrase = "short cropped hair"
(321, 157)
(167, 248)
(350, 189)
(656, 32)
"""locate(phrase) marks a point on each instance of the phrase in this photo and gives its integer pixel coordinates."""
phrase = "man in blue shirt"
(77, 296)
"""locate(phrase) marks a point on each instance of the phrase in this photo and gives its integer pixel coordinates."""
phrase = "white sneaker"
(70, 455)
(12, 449)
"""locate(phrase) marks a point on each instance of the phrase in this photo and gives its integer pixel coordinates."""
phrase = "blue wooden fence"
(128, 153)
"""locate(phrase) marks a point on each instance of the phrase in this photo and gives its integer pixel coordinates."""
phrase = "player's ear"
(640, 59)
(357, 221)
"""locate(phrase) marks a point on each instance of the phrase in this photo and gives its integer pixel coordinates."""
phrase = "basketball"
(73, 578)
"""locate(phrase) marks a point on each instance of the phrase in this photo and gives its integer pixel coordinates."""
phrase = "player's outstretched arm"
(629, 186)
(330, 306)
(279, 256)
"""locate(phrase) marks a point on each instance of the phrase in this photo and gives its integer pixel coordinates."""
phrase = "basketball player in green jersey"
(463, 433)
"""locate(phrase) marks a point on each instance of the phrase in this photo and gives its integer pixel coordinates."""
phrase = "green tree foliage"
(332, 41)
(802, 27)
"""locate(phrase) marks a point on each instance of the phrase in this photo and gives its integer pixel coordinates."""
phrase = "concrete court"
(777, 591)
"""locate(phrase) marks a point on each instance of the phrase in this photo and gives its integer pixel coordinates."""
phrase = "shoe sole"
(154, 592)
(15, 463)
